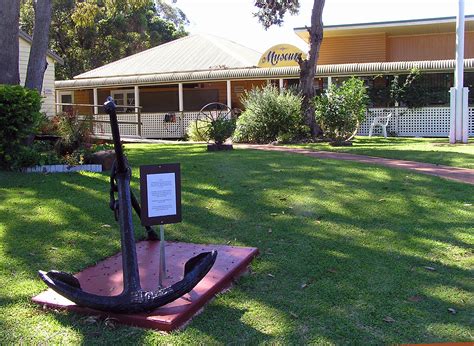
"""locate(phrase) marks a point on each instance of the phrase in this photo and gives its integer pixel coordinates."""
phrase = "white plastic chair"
(381, 121)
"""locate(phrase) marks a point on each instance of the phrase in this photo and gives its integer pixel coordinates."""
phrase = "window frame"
(124, 93)
(62, 108)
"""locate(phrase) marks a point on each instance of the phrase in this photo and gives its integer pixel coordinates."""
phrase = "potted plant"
(215, 124)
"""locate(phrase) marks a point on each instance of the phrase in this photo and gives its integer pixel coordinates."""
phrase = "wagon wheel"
(208, 115)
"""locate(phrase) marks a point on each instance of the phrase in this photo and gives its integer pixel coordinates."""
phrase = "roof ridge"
(217, 41)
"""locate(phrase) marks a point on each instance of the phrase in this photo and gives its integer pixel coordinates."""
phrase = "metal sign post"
(162, 256)
(160, 187)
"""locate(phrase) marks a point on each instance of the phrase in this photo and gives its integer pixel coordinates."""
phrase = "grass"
(347, 246)
(431, 150)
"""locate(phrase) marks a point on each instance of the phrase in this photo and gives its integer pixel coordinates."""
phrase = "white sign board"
(161, 196)
(160, 192)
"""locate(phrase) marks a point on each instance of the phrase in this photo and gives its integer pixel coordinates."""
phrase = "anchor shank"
(131, 277)
(121, 165)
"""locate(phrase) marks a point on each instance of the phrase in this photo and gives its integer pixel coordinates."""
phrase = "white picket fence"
(421, 122)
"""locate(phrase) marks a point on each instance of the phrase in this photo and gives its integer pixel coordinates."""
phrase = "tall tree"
(92, 33)
(271, 12)
(37, 62)
(9, 67)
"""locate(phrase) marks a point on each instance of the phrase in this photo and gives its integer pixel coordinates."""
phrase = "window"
(124, 98)
(66, 97)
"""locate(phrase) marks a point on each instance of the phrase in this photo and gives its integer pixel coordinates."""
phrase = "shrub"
(48, 126)
(194, 134)
(341, 109)
(75, 134)
(220, 129)
(270, 115)
(405, 90)
(217, 130)
(19, 118)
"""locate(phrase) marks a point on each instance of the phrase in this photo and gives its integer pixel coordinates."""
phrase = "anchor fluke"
(64, 277)
(132, 300)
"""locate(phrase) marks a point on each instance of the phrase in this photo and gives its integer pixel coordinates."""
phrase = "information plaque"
(160, 192)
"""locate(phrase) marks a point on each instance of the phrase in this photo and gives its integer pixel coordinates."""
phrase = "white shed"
(47, 93)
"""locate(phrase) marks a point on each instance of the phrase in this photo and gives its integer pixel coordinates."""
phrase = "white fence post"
(465, 115)
(96, 101)
(396, 118)
(229, 94)
(452, 126)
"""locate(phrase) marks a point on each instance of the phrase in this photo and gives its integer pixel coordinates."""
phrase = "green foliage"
(88, 34)
(100, 146)
(404, 90)
(270, 115)
(47, 125)
(218, 130)
(38, 153)
(271, 12)
(19, 118)
(221, 129)
(195, 135)
(75, 135)
(341, 109)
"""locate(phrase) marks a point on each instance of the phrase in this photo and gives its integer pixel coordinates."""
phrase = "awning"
(356, 69)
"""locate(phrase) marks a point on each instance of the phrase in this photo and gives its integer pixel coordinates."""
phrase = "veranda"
(166, 110)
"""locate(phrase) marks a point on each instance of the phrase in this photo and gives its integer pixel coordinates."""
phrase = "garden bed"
(62, 168)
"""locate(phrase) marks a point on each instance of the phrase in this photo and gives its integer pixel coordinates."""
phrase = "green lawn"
(432, 150)
(350, 253)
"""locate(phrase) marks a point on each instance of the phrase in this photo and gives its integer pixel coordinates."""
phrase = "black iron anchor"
(133, 298)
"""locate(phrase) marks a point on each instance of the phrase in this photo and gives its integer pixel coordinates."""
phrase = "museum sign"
(281, 55)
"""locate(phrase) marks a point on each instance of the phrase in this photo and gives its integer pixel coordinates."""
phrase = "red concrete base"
(105, 278)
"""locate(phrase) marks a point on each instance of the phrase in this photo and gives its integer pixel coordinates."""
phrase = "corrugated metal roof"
(190, 53)
(266, 73)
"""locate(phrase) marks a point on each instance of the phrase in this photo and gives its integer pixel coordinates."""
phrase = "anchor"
(133, 298)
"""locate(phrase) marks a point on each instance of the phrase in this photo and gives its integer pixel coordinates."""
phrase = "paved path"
(464, 175)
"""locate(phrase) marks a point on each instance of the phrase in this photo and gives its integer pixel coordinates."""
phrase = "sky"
(232, 19)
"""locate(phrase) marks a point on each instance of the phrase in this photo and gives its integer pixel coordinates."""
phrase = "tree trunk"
(308, 67)
(9, 44)
(37, 63)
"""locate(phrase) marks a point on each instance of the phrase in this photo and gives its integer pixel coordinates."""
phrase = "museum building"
(182, 76)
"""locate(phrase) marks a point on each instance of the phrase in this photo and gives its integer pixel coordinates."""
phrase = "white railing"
(102, 127)
(421, 122)
(152, 125)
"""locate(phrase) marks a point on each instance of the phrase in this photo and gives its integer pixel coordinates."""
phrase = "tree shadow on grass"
(336, 260)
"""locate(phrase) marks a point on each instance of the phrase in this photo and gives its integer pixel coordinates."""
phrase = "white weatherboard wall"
(48, 83)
